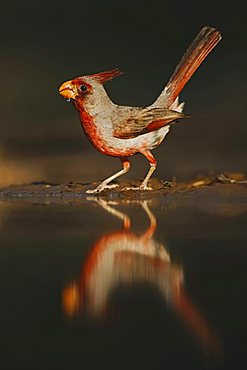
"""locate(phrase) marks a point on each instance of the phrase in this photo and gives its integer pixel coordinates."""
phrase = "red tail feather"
(202, 45)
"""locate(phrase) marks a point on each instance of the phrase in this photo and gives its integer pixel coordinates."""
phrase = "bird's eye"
(83, 88)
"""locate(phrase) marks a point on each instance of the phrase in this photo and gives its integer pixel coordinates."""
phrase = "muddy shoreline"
(77, 191)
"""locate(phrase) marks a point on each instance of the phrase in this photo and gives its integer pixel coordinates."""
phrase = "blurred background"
(47, 42)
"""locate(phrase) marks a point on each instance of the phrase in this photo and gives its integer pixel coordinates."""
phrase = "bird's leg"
(153, 163)
(104, 185)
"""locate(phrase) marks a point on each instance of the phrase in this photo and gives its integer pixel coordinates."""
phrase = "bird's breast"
(90, 128)
(99, 130)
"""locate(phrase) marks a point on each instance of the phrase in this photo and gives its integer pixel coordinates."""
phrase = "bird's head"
(82, 88)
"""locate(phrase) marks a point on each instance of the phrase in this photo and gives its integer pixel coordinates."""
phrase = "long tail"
(199, 49)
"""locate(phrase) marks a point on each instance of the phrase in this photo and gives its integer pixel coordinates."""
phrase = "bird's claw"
(100, 188)
(92, 191)
(137, 188)
(145, 187)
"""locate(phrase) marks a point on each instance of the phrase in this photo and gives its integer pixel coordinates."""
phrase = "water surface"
(149, 285)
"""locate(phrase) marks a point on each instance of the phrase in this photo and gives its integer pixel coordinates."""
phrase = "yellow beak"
(68, 90)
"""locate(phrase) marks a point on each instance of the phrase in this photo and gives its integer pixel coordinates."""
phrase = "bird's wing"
(140, 121)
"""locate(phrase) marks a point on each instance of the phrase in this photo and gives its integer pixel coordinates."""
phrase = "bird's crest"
(102, 77)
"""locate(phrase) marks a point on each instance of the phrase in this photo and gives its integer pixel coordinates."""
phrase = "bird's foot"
(101, 187)
(126, 188)
(145, 187)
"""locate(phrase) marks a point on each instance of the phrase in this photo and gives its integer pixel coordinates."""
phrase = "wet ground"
(148, 282)
(77, 191)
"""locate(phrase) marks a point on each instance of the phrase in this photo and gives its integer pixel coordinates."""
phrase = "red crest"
(107, 75)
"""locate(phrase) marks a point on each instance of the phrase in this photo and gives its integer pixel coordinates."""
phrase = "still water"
(148, 285)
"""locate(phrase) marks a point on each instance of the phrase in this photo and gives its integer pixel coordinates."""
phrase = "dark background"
(46, 42)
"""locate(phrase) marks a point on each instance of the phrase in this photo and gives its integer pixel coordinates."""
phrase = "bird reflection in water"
(123, 258)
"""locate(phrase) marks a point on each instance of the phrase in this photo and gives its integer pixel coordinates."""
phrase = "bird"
(123, 131)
